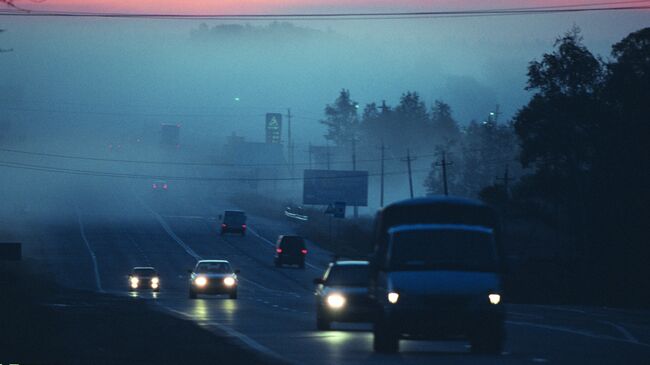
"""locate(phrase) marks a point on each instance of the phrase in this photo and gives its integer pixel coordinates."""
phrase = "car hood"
(444, 282)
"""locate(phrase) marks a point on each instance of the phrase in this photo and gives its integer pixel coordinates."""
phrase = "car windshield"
(348, 275)
(144, 272)
(443, 249)
(213, 268)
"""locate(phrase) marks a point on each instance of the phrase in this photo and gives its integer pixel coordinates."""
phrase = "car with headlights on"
(144, 278)
(213, 277)
(342, 294)
(159, 185)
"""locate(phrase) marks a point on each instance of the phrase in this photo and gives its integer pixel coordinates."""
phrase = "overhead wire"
(567, 8)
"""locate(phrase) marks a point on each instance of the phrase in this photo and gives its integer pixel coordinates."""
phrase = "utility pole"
(289, 141)
(444, 165)
(381, 193)
(354, 168)
(506, 180)
(504, 216)
(328, 156)
(310, 152)
(408, 160)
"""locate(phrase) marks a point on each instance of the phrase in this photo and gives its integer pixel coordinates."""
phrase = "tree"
(377, 124)
(556, 128)
(445, 128)
(341, 119)
(411, 127)
(585, 134)
(621, 197)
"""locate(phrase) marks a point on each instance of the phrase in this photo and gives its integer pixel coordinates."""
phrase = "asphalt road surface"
(94, 246)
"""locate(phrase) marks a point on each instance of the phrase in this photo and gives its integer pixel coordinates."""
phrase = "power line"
(178, 163)
(568, 8)
(96, 173)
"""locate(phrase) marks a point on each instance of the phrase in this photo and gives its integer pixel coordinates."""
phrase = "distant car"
(342, 294)
(233, 221)
(160, 185)
(144, 278)
(290, 250)
(213, 277)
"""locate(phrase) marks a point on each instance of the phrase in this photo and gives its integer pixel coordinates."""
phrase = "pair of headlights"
(135, 282)
(202, 281)
(393, 297)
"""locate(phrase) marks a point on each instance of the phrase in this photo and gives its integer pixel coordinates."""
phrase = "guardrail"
(298, 217)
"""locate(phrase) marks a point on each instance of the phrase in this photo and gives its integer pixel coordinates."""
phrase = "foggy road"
(275, 312)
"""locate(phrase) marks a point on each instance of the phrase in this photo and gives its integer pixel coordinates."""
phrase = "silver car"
(213, 277)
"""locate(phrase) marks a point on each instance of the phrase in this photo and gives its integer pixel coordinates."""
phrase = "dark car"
(342, 294)
(144, 278)
(233, 221)
(290, 250)
(213, 277)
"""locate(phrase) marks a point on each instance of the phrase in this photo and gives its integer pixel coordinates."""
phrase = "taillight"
(304, 252)
(278, 250)
(223, 225)
(165, 186)
(243, 226)
(154, 186)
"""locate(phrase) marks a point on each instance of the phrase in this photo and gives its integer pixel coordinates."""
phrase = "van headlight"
(155, 280)
(229, 281)
(134, 282)
(200, 281)
(393, 297)
(494, 298)
(335, 301)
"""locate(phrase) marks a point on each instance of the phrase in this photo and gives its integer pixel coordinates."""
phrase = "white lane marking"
(169, 231)
(233, 333)
(273, 244)
(539, 360)
(185, 217)
(575, 332)
(98, 281)
(195, 255)
(622, 330)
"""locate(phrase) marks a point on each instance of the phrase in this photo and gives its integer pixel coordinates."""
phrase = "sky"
(284, 6)
(95, 71)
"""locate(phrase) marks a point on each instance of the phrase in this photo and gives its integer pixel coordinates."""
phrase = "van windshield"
(443, 249)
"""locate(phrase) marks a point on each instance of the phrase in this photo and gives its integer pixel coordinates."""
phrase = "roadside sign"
(273, 127)
(322, 187)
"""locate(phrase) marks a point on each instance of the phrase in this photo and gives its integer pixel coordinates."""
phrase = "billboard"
(324, 187)
(273, 127)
